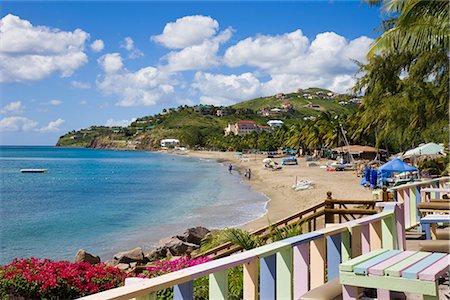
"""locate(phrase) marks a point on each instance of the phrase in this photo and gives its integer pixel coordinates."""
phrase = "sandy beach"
(277, 185)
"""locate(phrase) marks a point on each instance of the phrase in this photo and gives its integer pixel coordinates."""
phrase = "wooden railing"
(312, 218)
(286, 269)
(409, 194)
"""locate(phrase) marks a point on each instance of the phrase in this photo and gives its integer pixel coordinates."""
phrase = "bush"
(162, 267)
(32, 278)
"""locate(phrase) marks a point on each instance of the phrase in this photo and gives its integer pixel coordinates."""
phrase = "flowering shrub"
(163, 267)
(33, 278)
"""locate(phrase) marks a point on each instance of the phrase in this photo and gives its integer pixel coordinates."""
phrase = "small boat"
(33, 170)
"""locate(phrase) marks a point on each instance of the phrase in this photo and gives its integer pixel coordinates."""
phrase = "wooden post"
(375, 235)
(184, 291)
(318, 256)
(267, 278)
(301, 269)
(329, 217)
(384, 194)
(218, 285)
(333, 255)
(284, 274)
(251, 280)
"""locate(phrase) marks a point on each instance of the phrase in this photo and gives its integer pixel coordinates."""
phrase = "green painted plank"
(396, 269)
(348, 266)
(218, 285)
(346, 251)
(284, 267)
(397, 284)
(387, 233)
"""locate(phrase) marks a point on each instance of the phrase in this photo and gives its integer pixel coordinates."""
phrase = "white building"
(275, 123)
(169, 142)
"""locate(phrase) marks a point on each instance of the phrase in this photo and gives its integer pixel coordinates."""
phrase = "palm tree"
(422, 25)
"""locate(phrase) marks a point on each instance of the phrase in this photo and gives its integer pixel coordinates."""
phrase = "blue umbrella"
(396, 165)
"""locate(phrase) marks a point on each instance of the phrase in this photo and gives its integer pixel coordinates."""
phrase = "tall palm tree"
(422, 25)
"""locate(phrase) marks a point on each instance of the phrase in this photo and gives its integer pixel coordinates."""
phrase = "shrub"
(162, 267)
(32, 278)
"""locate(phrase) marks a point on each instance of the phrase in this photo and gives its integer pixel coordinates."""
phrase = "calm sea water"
(108, 201)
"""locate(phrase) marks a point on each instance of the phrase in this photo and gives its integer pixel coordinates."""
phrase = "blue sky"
(69, 65)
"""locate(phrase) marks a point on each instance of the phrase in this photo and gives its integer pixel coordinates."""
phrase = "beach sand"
(277, 185)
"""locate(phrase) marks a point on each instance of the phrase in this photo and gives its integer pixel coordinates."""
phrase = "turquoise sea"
(107, 201)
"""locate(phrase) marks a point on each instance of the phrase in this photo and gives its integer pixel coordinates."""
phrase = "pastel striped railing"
(410, 196)
(285, 269)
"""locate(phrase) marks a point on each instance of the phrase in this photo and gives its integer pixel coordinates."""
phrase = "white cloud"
(16, 124)
(133, 52)
(53, 102)
(187, 31)
(30, 52)
(111, 62)
(197, 57)
(219, 89)
(97, 45)
(292, 61)
(13, 107)
(53, 126)
(80, 85)
(144, 87)
(265, 51)
(121, 123)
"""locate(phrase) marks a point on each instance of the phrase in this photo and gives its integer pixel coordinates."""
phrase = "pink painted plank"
(399, 216)
(436, 270)
(378, 269)
(301, 269)
(365, 239)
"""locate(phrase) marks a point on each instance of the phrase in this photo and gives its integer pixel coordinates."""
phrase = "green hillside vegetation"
(195, 129)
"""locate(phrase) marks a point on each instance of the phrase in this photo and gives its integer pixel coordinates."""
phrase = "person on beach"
(230, 167)
(249, 174)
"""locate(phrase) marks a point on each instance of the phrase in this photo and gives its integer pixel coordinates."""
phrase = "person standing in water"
(249, 174)
(230, 167)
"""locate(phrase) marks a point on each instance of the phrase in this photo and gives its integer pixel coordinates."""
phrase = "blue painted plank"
(363, 268)
(426, 228)
(267, 277)
(413, 271)
(184, 291)
(333, 255)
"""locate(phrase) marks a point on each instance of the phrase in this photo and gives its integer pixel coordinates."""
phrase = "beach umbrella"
(396, 165)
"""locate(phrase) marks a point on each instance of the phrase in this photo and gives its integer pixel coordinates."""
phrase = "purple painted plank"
(435, 270)
(301, 269)
(365, 239)
(400, 219)
(349, 292)
(379, 268)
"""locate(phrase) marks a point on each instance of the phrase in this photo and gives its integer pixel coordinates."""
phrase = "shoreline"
(283, 201)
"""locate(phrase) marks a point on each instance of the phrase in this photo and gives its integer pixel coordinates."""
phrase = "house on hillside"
(170, 143)
(286, 106)
(265, 128)
(281, 96)
(355, 100)
(241, 128)
(225, 112)
(314, 106)
(204, 109)
(275, 123)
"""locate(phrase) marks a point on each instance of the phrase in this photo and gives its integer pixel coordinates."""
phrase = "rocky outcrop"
(179, 245)
(133, 255)
(194, 235)
(84, 256)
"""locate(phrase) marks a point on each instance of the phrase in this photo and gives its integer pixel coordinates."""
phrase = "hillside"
(193, 126)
